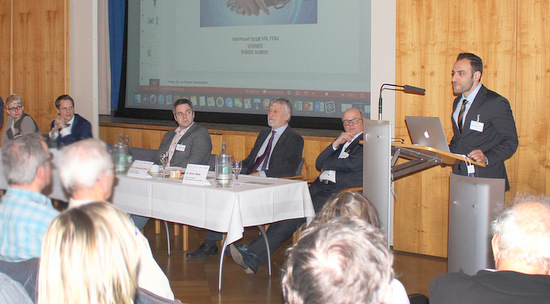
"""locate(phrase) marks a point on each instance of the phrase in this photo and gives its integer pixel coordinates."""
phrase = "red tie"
(262, 157)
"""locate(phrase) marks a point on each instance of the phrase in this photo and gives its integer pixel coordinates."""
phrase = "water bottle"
(130, 156)
(120, 153)
(223, 168)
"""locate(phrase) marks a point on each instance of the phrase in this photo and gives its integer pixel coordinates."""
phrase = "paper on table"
(140, 168)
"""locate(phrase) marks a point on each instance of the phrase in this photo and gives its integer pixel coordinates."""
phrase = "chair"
(418, 298)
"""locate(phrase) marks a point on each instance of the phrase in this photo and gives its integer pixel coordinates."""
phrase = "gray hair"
(21, 157)
(81, 163)
(284, 102)
(344, 260)
(524, 231)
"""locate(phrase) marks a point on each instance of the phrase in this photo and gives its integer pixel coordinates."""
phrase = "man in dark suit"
(277, 152)
(68, 127)
(341, 166)
(189, 143)
(483, 124)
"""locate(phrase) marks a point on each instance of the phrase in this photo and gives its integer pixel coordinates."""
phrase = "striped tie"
(461, 114)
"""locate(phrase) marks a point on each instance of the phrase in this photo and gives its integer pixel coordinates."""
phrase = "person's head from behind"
(521, 240)
(349, 203)
(86, 165)
(89, 255)
(26, 161)
(14, 106)
(343, 260)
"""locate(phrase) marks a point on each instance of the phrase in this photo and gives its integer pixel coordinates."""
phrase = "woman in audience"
(90, 255)
(355, 204)
(18, 122)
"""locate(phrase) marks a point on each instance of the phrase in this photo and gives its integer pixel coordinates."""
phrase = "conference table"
(255, 201)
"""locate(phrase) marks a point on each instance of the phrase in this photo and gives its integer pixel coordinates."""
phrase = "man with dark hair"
(189, 143)
(483, 124)
(68, 127)
(277, 152)
(343, 260)
(521, 250)
(25, 213)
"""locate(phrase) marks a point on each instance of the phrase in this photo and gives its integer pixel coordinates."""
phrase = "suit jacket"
(349, 171)
(498, 140)
(198, 147)
(285, 156)
(80, 129)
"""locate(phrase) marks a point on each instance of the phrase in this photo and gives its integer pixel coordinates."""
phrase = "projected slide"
(235, 55)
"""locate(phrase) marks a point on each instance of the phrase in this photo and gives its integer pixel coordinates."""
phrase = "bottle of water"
(130, 156)
(223, 168)
(120, 153)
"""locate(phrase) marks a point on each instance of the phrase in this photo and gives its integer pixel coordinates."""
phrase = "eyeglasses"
(15, 108)
(351, 121)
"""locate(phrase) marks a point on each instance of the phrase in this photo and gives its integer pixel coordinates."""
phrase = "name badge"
(180, 147)
(476, 126)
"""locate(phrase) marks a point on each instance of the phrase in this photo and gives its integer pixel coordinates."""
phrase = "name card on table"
(196, 175)
(140, 168)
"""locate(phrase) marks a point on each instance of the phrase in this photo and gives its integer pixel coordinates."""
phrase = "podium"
(472, 202)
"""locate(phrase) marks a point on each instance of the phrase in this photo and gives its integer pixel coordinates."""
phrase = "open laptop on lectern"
(427, 131)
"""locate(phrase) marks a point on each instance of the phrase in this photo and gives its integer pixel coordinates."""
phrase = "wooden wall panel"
(430, 34)
(40, 56)
(5, 37)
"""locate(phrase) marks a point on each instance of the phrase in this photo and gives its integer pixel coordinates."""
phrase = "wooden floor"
(196, 280)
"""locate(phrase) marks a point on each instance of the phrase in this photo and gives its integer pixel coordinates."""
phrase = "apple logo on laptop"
(426, 134)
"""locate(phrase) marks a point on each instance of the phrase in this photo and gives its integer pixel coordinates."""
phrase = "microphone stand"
(406, 88)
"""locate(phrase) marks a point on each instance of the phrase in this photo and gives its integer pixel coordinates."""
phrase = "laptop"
(427, 131)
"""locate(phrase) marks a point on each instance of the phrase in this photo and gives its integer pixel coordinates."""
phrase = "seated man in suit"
(277, 152)
(189, 143)
(521, 250)
(68, 127)
(25, 213)
(341, 166)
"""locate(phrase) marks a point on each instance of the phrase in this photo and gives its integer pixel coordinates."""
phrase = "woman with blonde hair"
(18, 122)
(349, 203)
(89, 255)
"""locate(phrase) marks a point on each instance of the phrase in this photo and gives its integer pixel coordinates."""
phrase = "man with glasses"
(25, 213)
(68, 127)
(341, 166)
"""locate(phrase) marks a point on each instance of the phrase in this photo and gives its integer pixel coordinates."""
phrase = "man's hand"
(343, 138)
(478, 156)
(58, 123)
(255, 174)
(252, 7)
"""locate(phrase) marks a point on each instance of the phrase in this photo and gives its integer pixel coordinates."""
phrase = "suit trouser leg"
(320, 193)
(277, 233)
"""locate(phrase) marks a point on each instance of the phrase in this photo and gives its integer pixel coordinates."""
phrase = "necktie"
(461, 114)
(263, 156)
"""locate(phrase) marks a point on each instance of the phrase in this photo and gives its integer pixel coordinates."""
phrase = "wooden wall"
(511, 36)
(34, 57)
(239, 144)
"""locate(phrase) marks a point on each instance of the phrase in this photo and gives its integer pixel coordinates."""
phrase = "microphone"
(406, 88)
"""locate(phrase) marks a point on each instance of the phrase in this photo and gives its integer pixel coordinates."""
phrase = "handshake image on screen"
(249, 7)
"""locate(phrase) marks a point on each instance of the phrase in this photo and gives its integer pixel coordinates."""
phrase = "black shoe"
(247, 260)
(240, 246)
(204, 251)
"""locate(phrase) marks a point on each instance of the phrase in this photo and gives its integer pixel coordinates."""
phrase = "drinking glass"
(237, 167)
(163, 159)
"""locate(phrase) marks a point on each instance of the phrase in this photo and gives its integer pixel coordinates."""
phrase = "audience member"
(25, 213)
(96, 185)
(18, 122)
(521, 250)
(25, 273)
(68, 127)
(90, 255)
(11, 291)
(341, 164)
(343, 260)
(189, 143)
(281, 159)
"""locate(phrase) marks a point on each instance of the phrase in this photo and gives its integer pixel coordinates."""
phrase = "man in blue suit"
(483, 124)
(68, 127)
(341, 166)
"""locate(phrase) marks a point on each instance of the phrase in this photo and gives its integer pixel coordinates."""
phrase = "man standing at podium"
(483, 124)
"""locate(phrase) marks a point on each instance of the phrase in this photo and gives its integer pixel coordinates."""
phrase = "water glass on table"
(236, 168)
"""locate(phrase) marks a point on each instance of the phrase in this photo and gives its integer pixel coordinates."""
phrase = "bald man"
(521, 250)
(341, 166)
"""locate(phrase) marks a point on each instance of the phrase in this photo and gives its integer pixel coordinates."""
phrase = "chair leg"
(167, 236)
(177, 229)
(296, 235)
(185, 236)
(157, 226)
